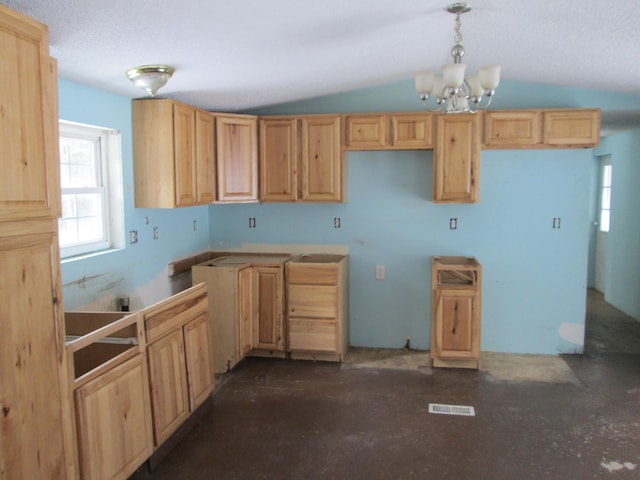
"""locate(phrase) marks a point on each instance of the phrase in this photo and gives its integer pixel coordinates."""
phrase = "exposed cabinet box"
(180, 358)
(317, 307)
(393, 131)
(301, 159)
(173, 153)
(247, 306)
(456, 312)
(456, 163)
(541, 128)
(237, 158)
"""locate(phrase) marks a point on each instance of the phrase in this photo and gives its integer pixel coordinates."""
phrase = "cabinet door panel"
(31, 438)
(512, 129)
(313, 335)
(412, 131)
(366, 132)
(312, 274)
(279, 160)
(268, 322)
(167, 375)
(245, 310)
(197, 339)
(580, 128)
(237, 158)
(184, 145)
(321, 159)
(205, 158)
(29, 184)
(455, 323)
(114, 422)
(456, 174)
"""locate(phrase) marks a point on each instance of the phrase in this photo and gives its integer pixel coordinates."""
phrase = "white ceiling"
(239, 54)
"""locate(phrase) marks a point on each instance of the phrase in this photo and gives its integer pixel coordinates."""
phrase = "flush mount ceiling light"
(150, 77)
(453, 92)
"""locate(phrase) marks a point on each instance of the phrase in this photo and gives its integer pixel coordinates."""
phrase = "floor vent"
(452, 409)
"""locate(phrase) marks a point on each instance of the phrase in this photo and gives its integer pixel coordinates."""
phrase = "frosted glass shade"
(424, 82)
(438, 87)
(453, 74)
(489, 76)
(474, 83)
(150, 77)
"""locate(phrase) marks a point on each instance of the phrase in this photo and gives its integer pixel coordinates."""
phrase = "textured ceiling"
(238, 54)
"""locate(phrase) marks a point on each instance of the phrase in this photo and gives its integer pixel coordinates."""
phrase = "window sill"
(85, 256)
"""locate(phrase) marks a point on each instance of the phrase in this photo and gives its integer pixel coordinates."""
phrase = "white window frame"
(604, 205)
(109, 186)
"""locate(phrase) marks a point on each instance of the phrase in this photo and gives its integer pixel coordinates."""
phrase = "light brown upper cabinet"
(173, 154)
(394, 131)
(527, 129)
(566, 128)
(301, 159)
(456, 164)
(237, 158)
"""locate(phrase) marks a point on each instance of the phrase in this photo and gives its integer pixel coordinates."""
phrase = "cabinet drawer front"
(312, 274)
(313, 335)
(312, 301)
(167, 315)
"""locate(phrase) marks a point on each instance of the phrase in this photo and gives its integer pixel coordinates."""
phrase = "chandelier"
(453, 92)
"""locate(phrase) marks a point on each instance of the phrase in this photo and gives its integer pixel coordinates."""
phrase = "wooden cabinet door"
(579, 128)
(321, 159)
(184, 154)
(456, 326)
(30, 180)
(237, 158)
(31, 349)
(412, 131)
(279, 160)
(199, 358)
(114, 422)
(268, 308)
(456, 173)
(205, 157)
(168, 379)
(245, 311)
(366, 132)
(515, 129)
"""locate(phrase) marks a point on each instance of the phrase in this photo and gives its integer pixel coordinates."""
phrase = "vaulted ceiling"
(239, 54)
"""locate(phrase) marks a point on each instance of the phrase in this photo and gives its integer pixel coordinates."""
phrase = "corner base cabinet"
(456, 312)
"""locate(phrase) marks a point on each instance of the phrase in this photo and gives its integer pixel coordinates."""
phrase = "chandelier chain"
(458, 37)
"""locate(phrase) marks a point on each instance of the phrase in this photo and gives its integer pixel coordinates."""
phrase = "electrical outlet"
(380, 272)
(133, 236)
(556, 222)
(195, 225)
(252, 222)
(453, 223)
(156, 233)
(336, 222)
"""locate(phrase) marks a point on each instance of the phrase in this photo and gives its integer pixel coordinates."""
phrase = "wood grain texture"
(322, 166)
(279, 154)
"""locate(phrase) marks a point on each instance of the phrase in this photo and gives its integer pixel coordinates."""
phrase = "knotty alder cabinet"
(180, 358)
(301, 159)
(247, 306)
(456, 312)
(317, 307)
(395, 131)
(173, 153)
(36, 424)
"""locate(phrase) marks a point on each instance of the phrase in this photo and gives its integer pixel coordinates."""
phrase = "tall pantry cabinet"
(36, 439)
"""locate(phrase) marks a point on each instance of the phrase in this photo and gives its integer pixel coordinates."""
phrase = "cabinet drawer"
(315, 274)
(313, 301)
(313, 335)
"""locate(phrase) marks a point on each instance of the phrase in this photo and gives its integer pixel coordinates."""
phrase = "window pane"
(68, 206)
(68, 231)
(606, 198)
(605, 216)
(89, 229)
(88, 205)
(82, 176)
(606, 175)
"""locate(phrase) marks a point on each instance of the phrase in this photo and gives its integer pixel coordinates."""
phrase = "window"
(605, 194)
(90, 173)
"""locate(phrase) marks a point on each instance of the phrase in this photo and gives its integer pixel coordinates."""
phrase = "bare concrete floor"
(574, 417)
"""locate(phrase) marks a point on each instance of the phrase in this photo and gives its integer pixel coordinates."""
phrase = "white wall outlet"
(380, 272)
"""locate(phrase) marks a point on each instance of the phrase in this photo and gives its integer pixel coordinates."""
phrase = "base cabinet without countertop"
(456, 312)
(246, 306)
(317, 307)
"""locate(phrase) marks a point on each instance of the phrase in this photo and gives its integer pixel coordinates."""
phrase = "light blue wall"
(622, 276)
(138, 270)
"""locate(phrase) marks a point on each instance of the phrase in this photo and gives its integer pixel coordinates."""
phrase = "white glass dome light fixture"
(150, 77)
(453, 92)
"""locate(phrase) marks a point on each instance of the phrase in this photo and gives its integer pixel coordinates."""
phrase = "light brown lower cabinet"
(317, 307)
(456, 312)
(108, 365)
(180, 358)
